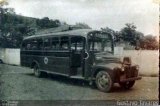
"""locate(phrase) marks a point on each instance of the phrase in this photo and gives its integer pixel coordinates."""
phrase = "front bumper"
(131, 79)
(130, 73)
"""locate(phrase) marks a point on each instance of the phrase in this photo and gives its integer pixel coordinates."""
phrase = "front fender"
(96, 69)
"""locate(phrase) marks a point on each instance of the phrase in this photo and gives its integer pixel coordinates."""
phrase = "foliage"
(133, 37)
(13, 27)
(129, 34)
(47, 23)
(149, 42)
(115, 34)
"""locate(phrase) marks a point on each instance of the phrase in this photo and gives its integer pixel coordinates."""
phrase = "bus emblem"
(46, 60)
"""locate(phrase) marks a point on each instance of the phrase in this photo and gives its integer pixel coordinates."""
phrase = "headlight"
(137, 67)
(122, 68)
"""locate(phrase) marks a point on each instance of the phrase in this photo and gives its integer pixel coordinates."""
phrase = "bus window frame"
(57, 48)
(84, 39)
(69, 46)
(47, 49)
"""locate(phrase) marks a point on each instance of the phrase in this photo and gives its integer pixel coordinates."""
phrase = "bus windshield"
(98, 43)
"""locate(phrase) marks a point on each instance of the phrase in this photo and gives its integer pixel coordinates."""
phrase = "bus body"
(84, 53)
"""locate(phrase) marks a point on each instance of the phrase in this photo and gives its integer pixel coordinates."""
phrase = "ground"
(19, 83)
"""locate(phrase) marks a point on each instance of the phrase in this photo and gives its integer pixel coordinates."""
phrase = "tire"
(37, 72)
(1, 62)
(104, 81)
(127, 85)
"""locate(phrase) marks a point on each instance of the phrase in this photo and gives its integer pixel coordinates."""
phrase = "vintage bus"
(83, 53)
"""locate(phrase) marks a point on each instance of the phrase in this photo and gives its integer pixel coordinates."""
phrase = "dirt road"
(19, 83)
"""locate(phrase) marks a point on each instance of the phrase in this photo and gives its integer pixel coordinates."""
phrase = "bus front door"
(77, 66)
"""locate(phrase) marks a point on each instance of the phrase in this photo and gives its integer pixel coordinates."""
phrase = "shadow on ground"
(77, 82)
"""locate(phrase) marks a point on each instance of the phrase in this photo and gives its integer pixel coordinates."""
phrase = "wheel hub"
(103, 80)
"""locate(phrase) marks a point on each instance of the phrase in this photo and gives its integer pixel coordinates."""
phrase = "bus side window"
(47, 44)
(77, 43)
(23, 47)
(28, 45)
(64, 44)
(34, 44)
(39, 44)
(55, 43)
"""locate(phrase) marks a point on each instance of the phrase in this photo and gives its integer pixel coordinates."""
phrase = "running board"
(77, 77)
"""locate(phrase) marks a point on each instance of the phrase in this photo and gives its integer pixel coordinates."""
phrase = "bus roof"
(78, 32)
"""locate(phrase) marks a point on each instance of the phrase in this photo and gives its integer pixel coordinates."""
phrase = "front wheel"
(104, 81)
(127, 85)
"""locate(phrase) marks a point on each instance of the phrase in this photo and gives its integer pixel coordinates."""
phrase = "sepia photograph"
(79, 52)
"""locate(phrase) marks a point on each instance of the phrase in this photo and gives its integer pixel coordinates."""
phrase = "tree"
(108, 30)
(129, 34)
(2, 12)
(47, 23)
(115, 34)
(149, 42)
(12, 27)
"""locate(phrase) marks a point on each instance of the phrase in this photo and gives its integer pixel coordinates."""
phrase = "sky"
(96, 13)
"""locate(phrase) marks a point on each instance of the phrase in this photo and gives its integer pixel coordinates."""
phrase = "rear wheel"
(127, 85)
(37, 72)
(104, 81)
